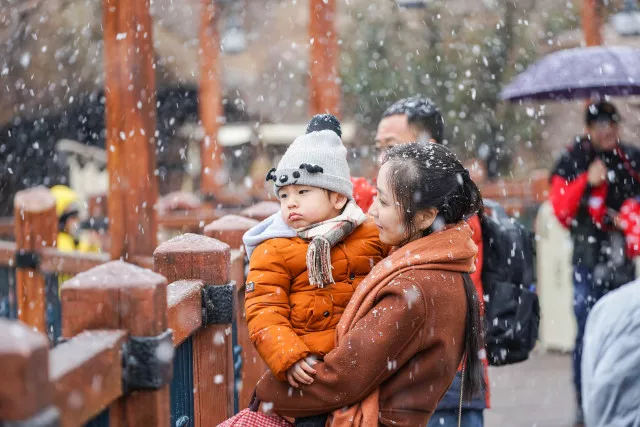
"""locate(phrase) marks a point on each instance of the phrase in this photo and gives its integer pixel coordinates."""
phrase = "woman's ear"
(425, 218)
(339, 201)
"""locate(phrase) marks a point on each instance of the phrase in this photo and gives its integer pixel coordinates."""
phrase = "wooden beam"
(86, 373)
(7, 253)
(210, 101)
(36, 225)
(184, 299)
(592, 21)
(193, 220)
(230, 229)
(130, 127)
(6, 227)
(55, 261)
(142, 261)
(261, 210)
(24, 369)
(129, 298)
(324, 57)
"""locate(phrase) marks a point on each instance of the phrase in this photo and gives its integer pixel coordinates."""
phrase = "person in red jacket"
(589, 184)
(418, 119)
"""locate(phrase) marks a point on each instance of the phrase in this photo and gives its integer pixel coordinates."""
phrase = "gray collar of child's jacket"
(270, 228)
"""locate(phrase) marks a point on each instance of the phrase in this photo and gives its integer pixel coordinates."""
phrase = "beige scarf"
(325, 235)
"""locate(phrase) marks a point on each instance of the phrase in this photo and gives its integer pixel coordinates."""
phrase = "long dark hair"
(424, 176)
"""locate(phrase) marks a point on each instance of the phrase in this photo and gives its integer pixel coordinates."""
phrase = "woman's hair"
(424, 176)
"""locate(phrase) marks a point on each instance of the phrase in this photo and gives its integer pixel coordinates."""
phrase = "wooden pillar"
(196, 257)
(230, 229)
(324, 59)
(118, 295)
(36, 227)
(130, 127)
(26, 393)
(210, 101)
(592, 21)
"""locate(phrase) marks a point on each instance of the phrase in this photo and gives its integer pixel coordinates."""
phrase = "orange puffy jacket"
(288, 318)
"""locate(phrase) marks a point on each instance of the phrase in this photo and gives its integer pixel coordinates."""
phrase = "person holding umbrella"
(589, 184)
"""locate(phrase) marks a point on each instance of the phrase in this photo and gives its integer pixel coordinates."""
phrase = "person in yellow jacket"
(69, 230)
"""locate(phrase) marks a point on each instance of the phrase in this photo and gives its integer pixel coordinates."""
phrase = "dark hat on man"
(602, 111)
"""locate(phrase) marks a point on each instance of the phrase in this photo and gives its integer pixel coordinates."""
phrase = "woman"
(415, 318)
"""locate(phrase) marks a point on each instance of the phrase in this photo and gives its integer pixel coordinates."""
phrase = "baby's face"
(302, 205)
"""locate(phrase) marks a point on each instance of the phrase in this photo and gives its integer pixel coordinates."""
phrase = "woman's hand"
(301, 371)
(597, 173)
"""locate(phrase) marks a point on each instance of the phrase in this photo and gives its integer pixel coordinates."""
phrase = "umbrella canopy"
(579, 73)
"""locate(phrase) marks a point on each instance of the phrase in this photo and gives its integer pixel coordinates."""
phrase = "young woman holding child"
(415, 318)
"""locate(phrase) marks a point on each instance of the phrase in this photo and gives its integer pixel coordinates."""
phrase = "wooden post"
(324, 85)
(592, 20)
(230, 229)
(24, 368)
(209, 101)
(36, 227)
(118, 295)
(196, 257)
(262, 210)
(130, 127)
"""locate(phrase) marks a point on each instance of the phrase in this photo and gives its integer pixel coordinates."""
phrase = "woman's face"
(388, 216)
(386, 212)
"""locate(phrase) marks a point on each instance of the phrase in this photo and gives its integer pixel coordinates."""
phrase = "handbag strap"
(254, 405)
(464, 368)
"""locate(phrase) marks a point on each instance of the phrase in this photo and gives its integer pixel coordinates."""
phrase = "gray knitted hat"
(317, 159)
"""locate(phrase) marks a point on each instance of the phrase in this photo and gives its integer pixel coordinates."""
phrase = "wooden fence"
(203, 367)
(122, 326)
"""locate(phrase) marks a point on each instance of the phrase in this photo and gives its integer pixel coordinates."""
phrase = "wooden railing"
(106, 311)
(182, 221)
(518, 195)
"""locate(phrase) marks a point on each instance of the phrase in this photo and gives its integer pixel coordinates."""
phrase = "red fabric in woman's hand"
(629, 222)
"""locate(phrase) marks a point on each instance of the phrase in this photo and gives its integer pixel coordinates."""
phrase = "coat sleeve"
(358, 366)
(268, 311)
(566, 196)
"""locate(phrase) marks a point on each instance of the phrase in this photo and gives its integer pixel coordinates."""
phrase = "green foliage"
(461, 63)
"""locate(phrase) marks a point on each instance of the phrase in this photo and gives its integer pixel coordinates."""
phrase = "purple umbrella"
(579, 73)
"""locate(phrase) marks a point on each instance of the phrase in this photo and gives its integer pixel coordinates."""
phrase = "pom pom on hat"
(324, 122)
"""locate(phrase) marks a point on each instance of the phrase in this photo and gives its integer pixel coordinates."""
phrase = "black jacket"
(594, 247)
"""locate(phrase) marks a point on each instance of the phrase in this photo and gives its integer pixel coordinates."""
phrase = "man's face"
(394, 130)
(604, 135)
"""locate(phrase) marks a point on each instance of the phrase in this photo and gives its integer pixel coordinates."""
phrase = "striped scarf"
(325, 235)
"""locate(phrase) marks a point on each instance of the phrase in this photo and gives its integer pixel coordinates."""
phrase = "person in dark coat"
(589, 184)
